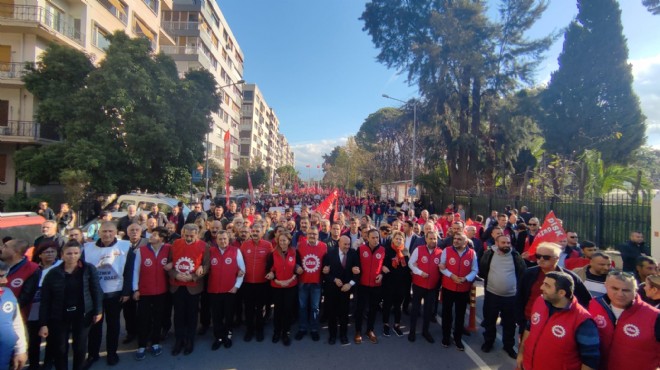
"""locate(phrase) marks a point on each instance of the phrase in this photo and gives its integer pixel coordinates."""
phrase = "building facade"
(260, 137)
(27, 27)
(203, 39)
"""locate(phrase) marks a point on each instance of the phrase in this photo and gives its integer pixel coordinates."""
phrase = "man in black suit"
(340, 269)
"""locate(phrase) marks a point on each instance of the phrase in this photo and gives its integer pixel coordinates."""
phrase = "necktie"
(343, 260)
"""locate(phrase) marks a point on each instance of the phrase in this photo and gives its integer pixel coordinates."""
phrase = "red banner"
(250, 186)
(324, 207)
(227, 165)
(552, 231)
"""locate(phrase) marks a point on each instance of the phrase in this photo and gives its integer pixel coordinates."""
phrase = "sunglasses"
(2, 276)
(533, 224)
(621, 273)
(543, 257)
(572, 237)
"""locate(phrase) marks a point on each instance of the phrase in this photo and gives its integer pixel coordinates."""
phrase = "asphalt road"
(390, 353)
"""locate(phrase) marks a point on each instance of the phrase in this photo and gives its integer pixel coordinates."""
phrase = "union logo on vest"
(311, 263)
(185, 265)
(631, 330)
(558, 331)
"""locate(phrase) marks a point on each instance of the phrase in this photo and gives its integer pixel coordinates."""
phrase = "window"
(116, 8)
(152, 4)
(99, 37)
(141, 30)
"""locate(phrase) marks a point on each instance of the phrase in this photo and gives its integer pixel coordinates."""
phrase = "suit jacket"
(336, 270)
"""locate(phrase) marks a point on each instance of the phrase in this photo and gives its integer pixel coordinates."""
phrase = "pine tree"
(589, 103)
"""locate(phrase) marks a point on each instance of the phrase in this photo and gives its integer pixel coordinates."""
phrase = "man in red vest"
(459, 269)
(628, 327)
(20, 268)
(150, 290)
(255, 290)
(371, 272)
(560, 333)
(225, 278)
(309, 256)
(188, 263)
(424, 264)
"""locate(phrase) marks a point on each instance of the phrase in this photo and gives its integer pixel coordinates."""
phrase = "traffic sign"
(412, 191)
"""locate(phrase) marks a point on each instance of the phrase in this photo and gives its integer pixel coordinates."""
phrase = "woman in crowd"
(46, 255)
(282, 265)
(396, 283)
(71, 301)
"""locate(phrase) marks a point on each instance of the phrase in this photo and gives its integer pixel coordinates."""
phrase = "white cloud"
(311, 153)
(647, 77)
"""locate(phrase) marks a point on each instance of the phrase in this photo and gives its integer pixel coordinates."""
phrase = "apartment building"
(260, 138)
(27, 27)
(203, 39)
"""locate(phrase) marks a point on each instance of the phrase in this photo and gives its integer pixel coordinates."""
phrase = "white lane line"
(475, 358)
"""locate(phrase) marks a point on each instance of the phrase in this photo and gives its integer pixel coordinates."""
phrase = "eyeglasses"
(543, 256)
(572, 237)
(2, 276)
(533, 224)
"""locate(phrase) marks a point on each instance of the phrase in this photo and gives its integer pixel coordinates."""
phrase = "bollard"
(472, 321)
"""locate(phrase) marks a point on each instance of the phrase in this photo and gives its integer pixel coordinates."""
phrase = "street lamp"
(239, 82)
(414, 134)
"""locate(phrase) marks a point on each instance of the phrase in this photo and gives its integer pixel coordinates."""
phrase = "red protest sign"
(551, 231)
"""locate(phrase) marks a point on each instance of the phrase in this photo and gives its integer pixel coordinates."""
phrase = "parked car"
(165, 203)
(21, 225)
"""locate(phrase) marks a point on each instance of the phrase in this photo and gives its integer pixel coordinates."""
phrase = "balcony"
(27, 132)
(12, 72)
(196, 53)
(179, 25)
(42, 19)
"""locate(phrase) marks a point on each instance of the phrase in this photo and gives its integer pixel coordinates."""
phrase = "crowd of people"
(221, 268)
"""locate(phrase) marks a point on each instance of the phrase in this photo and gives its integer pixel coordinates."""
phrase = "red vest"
(153, 277)
(186, 258)
(284, 267)
(311, 258)
(630, 342)
(551, 342)
(371, 264)
(255, 256)
(17, 278)
(223, 270)
(460, 266)
(427, 262)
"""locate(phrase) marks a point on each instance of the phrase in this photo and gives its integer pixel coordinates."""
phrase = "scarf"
(400, 259)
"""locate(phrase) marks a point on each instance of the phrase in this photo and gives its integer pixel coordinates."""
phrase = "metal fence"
(606, 221)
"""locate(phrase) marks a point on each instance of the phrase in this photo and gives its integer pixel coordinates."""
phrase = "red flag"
(552, 231)
(250, 186)
(324, 207)
(227, 165)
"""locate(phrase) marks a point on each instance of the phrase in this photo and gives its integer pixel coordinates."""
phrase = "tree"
(288, 175)
(462, 63)
(387, 134)
(653, 6)
(130, 123)
(258, 176)
(589, 102)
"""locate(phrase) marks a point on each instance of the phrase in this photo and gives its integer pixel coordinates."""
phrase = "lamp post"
(414, 134)
(206, 166)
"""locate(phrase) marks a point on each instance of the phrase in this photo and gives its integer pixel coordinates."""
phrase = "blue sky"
(317, 68)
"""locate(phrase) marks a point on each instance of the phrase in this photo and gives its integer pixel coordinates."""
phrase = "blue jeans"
(309, 298)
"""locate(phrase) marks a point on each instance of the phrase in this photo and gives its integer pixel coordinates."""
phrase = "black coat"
(337, 271)
(52, 290)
